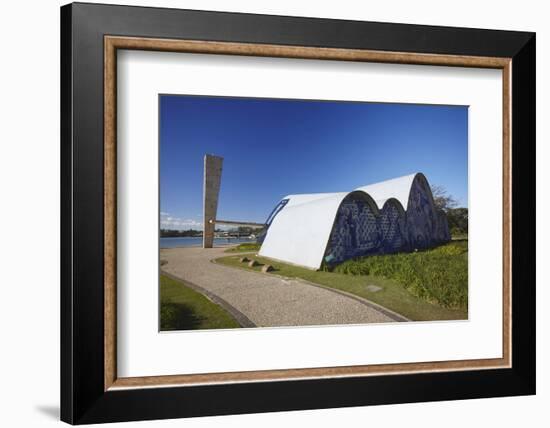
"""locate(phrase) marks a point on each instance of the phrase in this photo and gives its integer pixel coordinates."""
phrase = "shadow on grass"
(178, 316)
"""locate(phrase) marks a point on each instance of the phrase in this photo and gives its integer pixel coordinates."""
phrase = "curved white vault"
(390, 216)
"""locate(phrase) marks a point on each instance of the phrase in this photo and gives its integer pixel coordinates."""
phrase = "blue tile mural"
(360, 229)
(356, 231)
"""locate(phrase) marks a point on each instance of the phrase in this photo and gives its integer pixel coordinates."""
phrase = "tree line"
(243, 230)
(457, 217)
(170, 233)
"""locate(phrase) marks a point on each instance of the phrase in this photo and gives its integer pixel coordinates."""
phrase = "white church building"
(392, 216)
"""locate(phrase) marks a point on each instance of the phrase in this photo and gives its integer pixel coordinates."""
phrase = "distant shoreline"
(195, 237)
(182, 237)
(196, 241)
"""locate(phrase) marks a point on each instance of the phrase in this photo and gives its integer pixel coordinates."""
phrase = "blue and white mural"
(392, 226)
(359, 231)
(397, 215)
(356, 230)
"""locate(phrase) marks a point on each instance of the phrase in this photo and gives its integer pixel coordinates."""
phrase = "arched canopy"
(397, 188)
(299, 232)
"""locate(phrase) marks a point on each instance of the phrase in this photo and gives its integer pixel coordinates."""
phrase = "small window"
(276, 211)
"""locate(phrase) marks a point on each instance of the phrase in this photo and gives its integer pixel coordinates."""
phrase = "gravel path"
(265, 300)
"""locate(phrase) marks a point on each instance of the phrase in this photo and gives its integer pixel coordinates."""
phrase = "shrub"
(438, 275)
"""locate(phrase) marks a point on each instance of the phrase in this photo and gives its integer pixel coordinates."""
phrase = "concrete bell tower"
(212, 180)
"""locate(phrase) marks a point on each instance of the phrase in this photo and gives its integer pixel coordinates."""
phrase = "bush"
(438, 275)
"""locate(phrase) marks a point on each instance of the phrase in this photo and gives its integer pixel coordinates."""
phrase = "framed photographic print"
(265, 213)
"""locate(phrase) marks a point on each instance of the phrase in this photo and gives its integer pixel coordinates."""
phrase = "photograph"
(294, 212)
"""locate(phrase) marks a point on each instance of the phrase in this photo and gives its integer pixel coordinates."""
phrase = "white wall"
(29, 177)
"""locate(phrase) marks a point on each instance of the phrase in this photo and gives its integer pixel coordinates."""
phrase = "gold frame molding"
(113, 43)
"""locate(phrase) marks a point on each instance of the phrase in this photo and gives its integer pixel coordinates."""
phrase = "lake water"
(197, 242)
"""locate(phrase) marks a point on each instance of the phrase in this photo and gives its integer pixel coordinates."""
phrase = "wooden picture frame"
(91, 390)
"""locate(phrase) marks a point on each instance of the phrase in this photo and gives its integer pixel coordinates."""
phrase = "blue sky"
(272, 148)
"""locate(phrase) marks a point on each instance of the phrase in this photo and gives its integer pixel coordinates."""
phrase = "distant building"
(392, 216)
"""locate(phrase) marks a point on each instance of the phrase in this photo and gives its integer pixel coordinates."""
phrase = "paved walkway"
(266, 300)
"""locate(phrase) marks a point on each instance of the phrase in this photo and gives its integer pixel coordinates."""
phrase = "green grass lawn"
(246, 247)
(438, 275)
(392, 295)
(182, 308)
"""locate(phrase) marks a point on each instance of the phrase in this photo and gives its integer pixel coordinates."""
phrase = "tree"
(458, 221)
(442, 199)
(457, 218)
